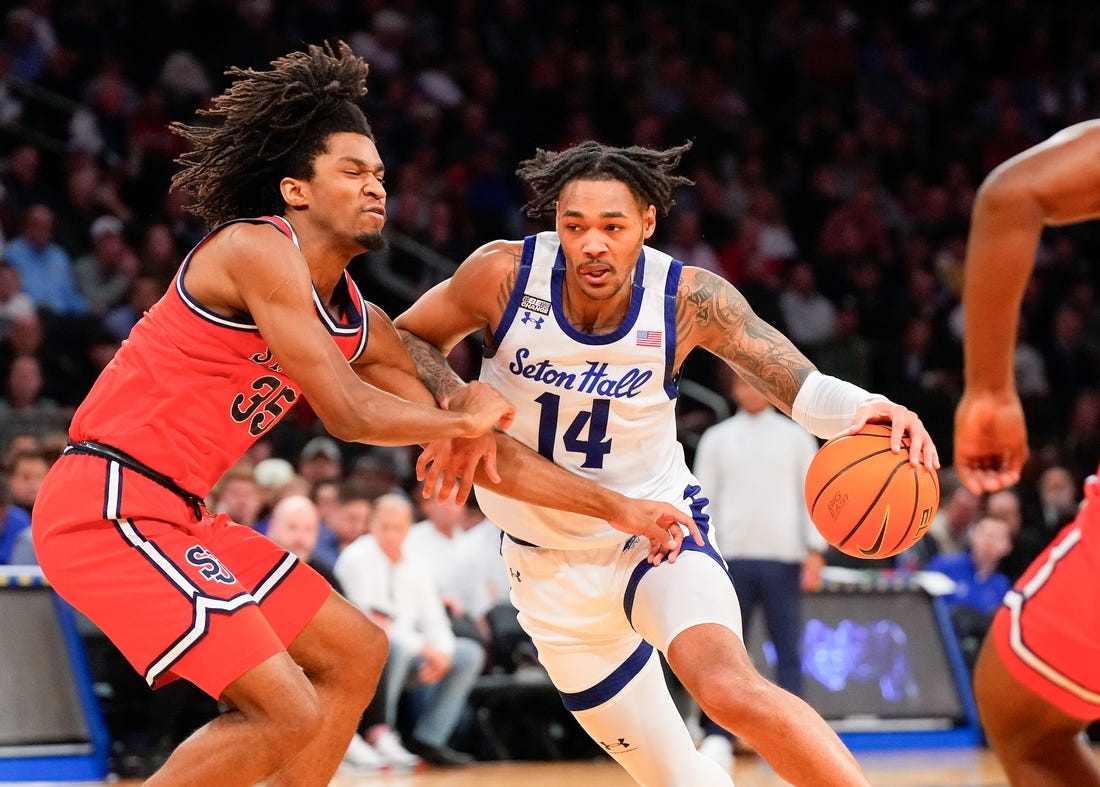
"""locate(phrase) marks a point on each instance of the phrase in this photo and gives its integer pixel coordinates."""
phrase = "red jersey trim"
(356, 313)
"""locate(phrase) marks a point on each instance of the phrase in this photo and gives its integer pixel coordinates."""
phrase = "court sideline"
(970, 767)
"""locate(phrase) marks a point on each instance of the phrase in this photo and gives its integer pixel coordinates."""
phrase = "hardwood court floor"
(925, 768)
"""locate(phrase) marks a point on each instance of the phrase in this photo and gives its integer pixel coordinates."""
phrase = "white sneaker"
(720, 749)
(361, 757)
(388, 747)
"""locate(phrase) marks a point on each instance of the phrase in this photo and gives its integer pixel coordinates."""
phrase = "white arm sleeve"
(825, 405)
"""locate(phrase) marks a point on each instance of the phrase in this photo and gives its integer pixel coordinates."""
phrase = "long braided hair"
(647, 173)
(272, 125)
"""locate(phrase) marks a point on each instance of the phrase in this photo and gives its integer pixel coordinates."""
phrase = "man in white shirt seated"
(441, 540)
(394, 586)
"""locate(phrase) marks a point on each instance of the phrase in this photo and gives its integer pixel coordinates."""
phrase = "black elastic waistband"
(521, 542)
(104, 451)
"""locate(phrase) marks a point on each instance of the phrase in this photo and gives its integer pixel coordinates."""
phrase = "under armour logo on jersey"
(209, 566)
(538, 321)
(618, 746)
(515, 574)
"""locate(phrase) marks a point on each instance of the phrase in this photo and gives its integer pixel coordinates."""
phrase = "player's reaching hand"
(485, 404)
(661, 523)
(902, 421)
(449, 465)
(990, 440)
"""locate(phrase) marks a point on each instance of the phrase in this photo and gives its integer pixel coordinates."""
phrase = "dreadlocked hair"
(646, 172)
(270, 125)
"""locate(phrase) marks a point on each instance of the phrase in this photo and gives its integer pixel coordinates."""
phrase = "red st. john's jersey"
(190, 390)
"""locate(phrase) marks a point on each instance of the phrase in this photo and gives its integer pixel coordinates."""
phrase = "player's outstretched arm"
(711, 313)
(256, 270)
(1053, 183)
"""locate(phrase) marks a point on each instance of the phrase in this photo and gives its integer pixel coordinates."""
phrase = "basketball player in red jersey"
(1036, 681)
(261, 312)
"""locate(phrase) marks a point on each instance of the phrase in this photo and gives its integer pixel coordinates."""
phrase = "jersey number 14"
(594, 446)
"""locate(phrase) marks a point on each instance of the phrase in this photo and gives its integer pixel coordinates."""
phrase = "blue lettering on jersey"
(593, 380)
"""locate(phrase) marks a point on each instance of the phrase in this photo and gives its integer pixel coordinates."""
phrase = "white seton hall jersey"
(602, 407)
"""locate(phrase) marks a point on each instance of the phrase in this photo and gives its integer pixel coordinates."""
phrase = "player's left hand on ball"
(902, 421)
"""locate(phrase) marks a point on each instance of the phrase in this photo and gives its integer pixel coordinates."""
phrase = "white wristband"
(825, 405)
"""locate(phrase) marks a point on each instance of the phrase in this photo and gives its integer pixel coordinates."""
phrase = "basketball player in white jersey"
(586, 330)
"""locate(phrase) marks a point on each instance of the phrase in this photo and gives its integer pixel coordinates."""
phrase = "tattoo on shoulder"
(504, 293)
(713, 314)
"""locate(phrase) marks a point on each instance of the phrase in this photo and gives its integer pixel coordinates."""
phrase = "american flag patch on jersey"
(649, 338)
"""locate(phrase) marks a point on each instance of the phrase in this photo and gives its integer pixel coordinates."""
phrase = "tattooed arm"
(711, 313)
(473, 299)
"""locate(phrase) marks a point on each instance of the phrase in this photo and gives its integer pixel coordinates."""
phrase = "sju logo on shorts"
(209, 566)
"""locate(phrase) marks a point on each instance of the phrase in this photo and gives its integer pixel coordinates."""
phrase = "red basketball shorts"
(180, 595)
(1048, 630)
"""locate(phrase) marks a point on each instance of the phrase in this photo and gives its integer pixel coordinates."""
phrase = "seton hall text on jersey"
(592, 380)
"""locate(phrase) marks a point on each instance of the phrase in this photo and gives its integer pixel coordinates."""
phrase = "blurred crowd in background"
(837, 150)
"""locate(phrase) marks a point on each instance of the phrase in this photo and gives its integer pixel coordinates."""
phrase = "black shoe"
(443, 756)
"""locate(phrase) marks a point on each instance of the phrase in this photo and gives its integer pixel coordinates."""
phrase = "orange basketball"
(867, 501)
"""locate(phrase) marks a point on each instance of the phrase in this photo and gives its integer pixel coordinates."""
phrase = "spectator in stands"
(1081, 444)
(441, 540)
(14, 303)
(25, 183)
(294, 525)
(849, 354)
(394, 587)
(351, 516)
(24, 387)
(143, 292)
(320, 460)
(1072, 360)
(978, 583)
(238, 494)
(105, 274)
(22, 43)
(959, 509)
(381, 471)
(24, 405)
(276, 478)
(1054, 506)
(1058, 498)
(14, 522)
(159, 254)
(89, 194)
(979, 586)
(326, 496)
(44, 267)
(26, 470)
(809, 315)
(687, 244)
